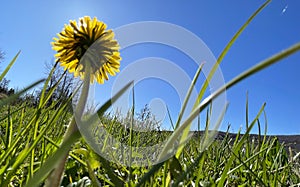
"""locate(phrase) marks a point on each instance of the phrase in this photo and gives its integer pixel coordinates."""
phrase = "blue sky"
(30, 26)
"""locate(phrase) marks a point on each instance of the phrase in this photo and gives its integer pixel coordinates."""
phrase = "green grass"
(228, 161)
(36, 139)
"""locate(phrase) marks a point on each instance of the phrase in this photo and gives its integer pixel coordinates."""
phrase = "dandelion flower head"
(87, 47)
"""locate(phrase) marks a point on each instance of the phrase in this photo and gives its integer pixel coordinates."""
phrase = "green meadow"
(35, 138)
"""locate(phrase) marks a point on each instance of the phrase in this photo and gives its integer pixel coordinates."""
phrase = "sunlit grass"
(229, 161)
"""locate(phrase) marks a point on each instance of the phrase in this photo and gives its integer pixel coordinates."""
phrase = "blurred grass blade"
(170, 118)
(17, 95)
(108, 103)
(187, 98)
(247, 111)
(71, 154)
(175, 168)
(264, 64)
(247, 124)
(8, 129)
(210, 136)
(189, 92)
(226, 49)
(131, 134)
(256, 68)
(215, 67)
(9, 66)
(42, 173)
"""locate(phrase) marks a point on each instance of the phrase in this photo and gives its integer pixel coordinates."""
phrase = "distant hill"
(292, 141)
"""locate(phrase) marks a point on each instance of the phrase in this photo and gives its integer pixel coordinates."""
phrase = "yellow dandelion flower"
(88, 44)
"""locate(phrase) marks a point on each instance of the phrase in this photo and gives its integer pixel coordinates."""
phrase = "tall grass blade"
(188, 95)
(215, 67)
(256, 68)
(9, 66)
(131, 134)
(42, 173)
(8, 129)
(226, 49)
(170, 118)
(109, 102)
(42, 102)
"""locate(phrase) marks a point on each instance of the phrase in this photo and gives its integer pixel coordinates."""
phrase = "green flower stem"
(55, 177)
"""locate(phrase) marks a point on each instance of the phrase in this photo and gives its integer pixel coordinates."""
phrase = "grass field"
(228, 161)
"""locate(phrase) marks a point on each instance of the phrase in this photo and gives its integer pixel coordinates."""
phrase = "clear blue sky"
(30, 26)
